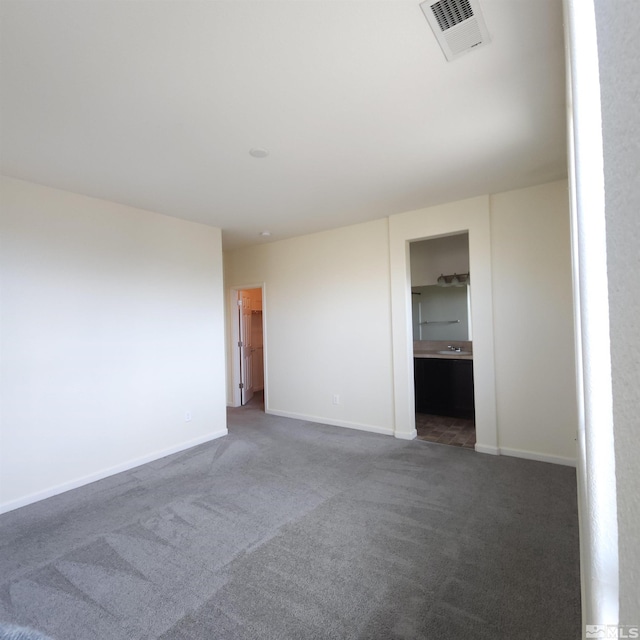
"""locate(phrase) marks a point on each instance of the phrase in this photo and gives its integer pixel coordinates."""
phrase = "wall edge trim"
(331, 422)
(406, 435)
(105, 473)
(539, 457)
(488, 449)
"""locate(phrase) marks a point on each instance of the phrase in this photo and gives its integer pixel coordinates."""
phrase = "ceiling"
(156, 104)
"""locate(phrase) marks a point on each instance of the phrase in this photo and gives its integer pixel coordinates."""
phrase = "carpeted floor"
(291, 530)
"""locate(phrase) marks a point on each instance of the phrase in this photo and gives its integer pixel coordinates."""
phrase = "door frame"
(472, 216)
(234, 338)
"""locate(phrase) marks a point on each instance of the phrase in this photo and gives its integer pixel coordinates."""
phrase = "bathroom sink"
(449, 352)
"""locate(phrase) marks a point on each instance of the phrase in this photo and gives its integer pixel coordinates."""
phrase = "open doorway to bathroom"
(250, 348)
(442, 340)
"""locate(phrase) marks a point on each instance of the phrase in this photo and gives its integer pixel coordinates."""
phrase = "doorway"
(470, 216)
(249, 348)
(442, 340)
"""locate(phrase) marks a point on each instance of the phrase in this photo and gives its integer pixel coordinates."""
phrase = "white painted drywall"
(618, 33)
(112, 329)
(327, 324)
(533, 320)
(328, 308)
(597, 490)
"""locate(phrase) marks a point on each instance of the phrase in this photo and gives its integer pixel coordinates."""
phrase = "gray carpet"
(11, 632)
(291, 530)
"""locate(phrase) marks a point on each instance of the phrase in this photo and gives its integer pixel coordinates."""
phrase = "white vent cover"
(457, 24)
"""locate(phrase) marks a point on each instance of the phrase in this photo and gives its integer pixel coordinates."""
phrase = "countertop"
(420, 353)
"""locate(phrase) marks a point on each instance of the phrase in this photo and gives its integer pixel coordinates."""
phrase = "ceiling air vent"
(457, 24)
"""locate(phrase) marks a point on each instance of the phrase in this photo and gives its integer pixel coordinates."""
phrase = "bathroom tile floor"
(445, 430)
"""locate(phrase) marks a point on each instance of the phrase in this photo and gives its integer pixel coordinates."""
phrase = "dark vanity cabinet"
(444, 387)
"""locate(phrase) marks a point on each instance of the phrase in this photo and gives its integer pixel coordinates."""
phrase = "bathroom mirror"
(440, 313)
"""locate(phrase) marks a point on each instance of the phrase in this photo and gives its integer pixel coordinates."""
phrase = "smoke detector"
(457, 24)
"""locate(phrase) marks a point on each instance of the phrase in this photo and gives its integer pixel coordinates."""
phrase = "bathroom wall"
(436, 256)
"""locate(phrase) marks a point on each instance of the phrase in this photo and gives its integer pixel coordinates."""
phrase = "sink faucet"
(452, 348)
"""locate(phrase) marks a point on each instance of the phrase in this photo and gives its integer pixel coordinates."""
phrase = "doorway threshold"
(458, 432)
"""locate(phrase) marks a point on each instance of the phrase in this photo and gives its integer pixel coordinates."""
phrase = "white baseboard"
(527, 455)
(485, 448)
(540, 457)
(408, 435)
(105, 473)
(333, 423)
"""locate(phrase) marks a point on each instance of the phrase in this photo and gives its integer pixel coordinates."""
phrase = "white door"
(246, 349)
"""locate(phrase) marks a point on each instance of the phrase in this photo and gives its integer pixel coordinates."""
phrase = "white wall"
(617, 30)
(521, 306)
(533, 321)
(329, 298)
(112, 328)
(327, 324)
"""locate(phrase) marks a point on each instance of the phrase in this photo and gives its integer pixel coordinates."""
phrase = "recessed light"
(258, 152)
(265, 234)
